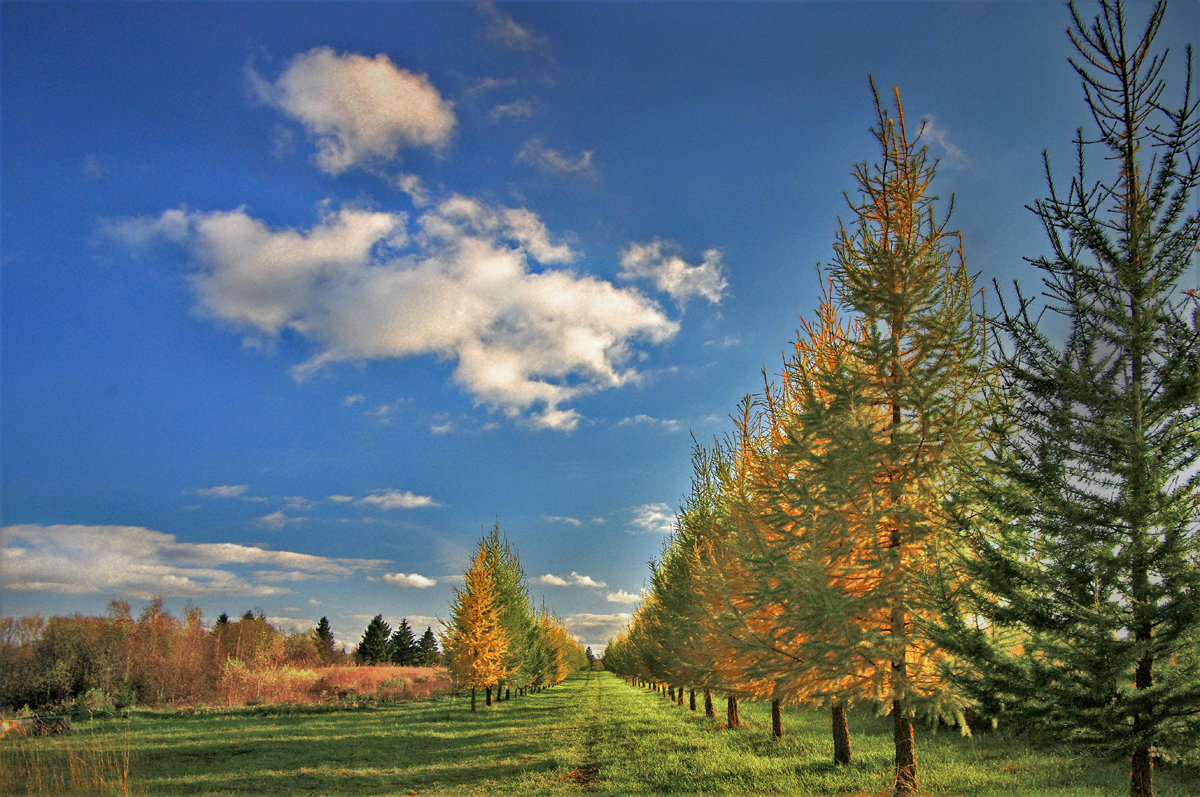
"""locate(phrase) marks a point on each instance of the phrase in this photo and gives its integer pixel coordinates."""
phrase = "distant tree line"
(117, 660)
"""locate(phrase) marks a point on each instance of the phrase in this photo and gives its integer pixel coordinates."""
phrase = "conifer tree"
(402, 647)
(373, 647)
(911, 387)
(323, 634)
(516, 611)
(474, 639)
(1089, 540)
(427, 649)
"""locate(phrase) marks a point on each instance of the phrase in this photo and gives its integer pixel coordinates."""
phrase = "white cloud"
(597, 628)
(659, 262)
(350, 401)
(360, 110)
(621, 596)
(138, 562)
(442, 428)
(570, 521)
(397, 499)
(654, 518)
(573, 580)
(222, 491)
(341, 499)
(525, 342)
(538, 154)
(410, 580)
(503, 29)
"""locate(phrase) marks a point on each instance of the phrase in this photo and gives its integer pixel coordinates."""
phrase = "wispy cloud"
(654, 518)
(573, 580)
(221, 491)
(503, 29)
(952, 155)
(537, 153)
(621, 596)
(670, 424)
(594, 629)
(660, 262)
(410, 580)
(519, 109)
(360, 110)
(397, 499)
(130, 561)
(570, 521)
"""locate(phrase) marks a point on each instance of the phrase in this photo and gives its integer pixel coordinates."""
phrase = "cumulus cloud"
(139, 562)
(360, 287)
(621, 596)
(538, 154)
(573, 580)
(360, 110)
(654, 518)
(410, 580)
(276, 520)
(596, 628)
(397, 499)
(660, 263)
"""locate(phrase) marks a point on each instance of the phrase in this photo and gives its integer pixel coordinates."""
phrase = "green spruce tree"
(373, 647)
(427, 649)
(1086, 551)
(402, 647)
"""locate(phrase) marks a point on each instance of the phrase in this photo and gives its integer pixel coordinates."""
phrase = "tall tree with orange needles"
(474, 640)
(907, 423)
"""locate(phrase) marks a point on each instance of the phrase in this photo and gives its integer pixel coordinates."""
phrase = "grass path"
(593, 735)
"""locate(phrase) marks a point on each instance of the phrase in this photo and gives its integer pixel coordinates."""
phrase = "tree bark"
(777, 718)
(679, 695)
(906, 752)
(472, 699)
(732, 720)
(708, 704)
(692, 699)
(507, 693)
(841, 734)
(489, 695)
(1141, 783)
(671, 693)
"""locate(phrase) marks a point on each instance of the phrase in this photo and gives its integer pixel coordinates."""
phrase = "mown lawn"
(593, 734)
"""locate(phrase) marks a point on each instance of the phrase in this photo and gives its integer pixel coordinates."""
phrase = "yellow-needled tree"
(474, 640)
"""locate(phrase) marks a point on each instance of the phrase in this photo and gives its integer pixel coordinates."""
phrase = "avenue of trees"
(946, 515)
(495, 640)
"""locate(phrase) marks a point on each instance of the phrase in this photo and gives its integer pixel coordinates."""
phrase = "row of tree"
(155, 659)
(937, 510)
(380, 645)
(495, 639)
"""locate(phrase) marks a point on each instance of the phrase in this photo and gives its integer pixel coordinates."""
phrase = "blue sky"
(297, 298)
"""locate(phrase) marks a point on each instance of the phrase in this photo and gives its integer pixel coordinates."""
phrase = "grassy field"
(593, 734)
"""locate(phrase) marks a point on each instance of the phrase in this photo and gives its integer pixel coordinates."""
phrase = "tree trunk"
(671, 693)
(841, 734)
(692, 699)
(472, 699)
(489, 695)
(777, 718)
(906, 752)
(507, 693)
(708, 704)
(1141, 782)
(679, 695)
(732, 720)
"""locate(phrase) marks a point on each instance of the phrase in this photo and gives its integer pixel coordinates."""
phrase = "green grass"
(593, 734)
